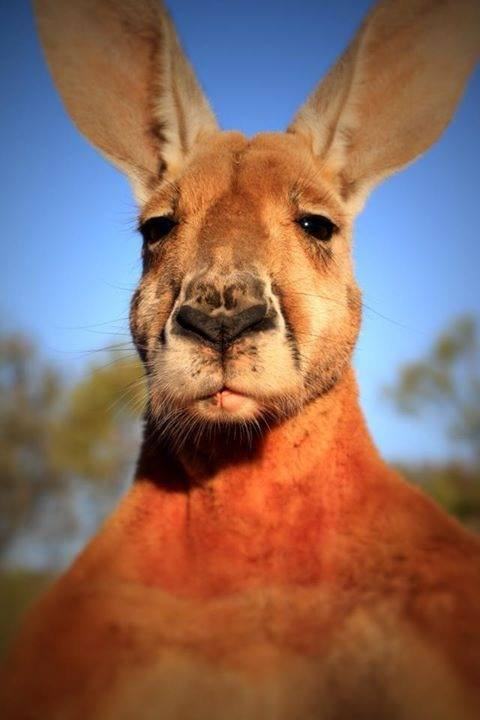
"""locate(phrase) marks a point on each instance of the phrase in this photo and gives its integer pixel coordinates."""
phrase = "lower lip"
(228, 400)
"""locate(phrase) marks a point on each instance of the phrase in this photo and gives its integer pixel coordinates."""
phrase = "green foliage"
(57, 436)
(447, 382)
(95, 438)
(30, 403)
(455, 486)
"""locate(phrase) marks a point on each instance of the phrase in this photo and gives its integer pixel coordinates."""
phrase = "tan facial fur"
(237, 203)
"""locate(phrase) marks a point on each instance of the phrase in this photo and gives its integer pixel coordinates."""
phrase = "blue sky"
(69, 257)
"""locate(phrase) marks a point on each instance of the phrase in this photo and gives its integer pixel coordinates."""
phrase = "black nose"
(222, 330)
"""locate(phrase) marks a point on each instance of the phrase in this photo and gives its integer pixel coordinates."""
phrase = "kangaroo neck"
(209, 528)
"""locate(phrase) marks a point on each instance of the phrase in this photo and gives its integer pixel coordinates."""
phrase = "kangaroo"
(266, 563)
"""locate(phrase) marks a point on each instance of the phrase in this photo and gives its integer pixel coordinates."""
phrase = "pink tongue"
(229, 401)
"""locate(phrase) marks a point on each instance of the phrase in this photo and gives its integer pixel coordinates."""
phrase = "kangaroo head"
(247, 307)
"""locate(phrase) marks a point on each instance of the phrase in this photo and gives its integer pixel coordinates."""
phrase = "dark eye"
(318, 226)
(156, 229)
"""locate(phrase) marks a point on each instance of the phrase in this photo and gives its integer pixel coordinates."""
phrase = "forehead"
(270, 167)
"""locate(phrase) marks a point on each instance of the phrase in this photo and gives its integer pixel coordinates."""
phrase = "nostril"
(252, 319)
(199, 323)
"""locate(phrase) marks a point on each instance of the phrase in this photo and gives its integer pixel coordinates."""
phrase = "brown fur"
(266, 564)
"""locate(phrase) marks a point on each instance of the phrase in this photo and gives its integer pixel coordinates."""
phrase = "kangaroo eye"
(318, 226)
(157, 228)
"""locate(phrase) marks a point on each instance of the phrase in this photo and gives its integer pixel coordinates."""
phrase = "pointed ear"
(394, 90)
(126, 83)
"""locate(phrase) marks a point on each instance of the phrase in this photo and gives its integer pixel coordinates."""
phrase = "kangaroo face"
(247, 306)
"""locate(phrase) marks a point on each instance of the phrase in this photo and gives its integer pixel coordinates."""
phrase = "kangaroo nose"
(222, 330)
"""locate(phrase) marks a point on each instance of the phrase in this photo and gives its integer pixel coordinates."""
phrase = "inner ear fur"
(126, 83)
(394, 90)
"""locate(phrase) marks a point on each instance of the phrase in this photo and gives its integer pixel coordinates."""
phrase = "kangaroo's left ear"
(393, 92)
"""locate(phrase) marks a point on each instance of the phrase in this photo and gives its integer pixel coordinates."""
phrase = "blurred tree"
(30, 402)
(95, 441)
(65, 448)
(98, 434)
(447, 382)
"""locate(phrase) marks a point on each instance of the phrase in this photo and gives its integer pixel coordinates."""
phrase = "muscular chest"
(267, 654)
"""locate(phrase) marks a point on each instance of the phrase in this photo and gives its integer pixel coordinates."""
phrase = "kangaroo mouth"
(227, 403)
(228, 400)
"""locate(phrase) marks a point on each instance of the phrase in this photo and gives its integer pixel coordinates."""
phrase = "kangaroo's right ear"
(126, 83)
